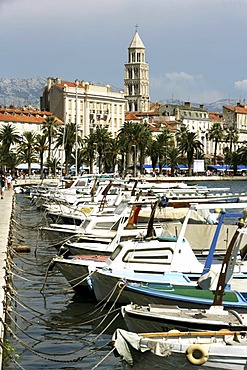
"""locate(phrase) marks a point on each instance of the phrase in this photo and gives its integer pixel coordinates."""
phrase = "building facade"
(136, 77)
(196, 119)
(86, 104)
(26, 119)
(236, 116)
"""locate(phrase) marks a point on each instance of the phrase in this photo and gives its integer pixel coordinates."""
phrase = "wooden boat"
(158, 318)
(221, 350)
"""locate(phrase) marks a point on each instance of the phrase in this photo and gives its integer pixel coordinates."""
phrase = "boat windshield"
(116, 252)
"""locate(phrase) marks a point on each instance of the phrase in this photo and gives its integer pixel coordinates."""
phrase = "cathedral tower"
(136, 80)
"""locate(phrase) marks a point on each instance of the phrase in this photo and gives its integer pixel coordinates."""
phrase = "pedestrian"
(2, 184)
(9, 181)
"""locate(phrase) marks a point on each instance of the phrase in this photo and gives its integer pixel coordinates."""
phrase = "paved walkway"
(5, 218)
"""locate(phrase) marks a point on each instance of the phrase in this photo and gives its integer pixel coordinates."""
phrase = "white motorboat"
(156, 266)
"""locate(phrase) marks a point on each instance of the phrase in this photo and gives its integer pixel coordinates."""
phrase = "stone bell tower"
(136, 79)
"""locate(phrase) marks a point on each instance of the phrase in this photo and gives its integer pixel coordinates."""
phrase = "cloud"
(241, 85)
(181, 77)
(183, 86)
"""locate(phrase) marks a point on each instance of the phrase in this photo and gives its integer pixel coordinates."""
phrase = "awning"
(34, 166)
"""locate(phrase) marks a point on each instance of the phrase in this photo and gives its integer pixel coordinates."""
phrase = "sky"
(196, 49)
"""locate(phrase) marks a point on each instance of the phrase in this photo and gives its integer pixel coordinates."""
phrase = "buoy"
(21, 248)
(197, 354)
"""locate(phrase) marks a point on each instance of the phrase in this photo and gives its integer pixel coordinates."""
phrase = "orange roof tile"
(69, 84)
(236, 109)
(215, 116)
(24, 115)
(131, 116)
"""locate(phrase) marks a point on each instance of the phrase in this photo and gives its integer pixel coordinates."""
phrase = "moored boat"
(208, 350)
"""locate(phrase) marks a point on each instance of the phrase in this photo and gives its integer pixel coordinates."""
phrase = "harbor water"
(48, 325)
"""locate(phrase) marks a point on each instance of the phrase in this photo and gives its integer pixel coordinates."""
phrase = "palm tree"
(242, 153)
(26, 149)
(231, 136)
(152, 151)
(173, 157)
(41, 147)
(180, 134)
(125, 144)
(111, 155)
(216, 134)
(12, 161)
(102, 139)
(49, 129)
(53, 165)
(66, 137)
(134, 137)
(163, 140)
(9, 136)
(144, 138)
(190, 145)
(88, 150)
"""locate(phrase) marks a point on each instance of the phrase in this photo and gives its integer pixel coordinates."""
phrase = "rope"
(103, 359)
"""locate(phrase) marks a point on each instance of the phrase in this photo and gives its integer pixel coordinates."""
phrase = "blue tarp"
(227, 168)
(166, 167)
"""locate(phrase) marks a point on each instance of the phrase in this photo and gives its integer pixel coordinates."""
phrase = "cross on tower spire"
(136, 27)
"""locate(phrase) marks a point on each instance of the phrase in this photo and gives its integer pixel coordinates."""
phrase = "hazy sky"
(196, 49)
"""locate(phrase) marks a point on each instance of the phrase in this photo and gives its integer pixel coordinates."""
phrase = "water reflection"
(51, 326)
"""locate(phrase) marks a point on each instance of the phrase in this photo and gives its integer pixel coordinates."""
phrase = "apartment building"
(86, 104)
(26, 119)
(236, 116)
(196, 119)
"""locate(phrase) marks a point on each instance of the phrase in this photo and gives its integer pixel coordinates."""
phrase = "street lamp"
(76, 128)
(134, 171)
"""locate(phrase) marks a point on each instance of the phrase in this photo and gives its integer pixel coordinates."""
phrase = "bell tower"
(136, 77)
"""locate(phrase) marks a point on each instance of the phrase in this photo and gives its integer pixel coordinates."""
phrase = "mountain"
(216, 106)
(27, 91)
(21, 91)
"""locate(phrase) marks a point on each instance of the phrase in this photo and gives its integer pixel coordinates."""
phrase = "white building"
(236, 116)
(85, 104)
(196, 119)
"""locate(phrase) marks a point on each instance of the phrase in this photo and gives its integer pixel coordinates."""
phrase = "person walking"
(2, 184)
(9, 181)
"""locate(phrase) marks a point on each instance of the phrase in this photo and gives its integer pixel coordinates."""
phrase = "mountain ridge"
(21, 92)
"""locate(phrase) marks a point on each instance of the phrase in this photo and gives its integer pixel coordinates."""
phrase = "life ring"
(121, 284)
(197, 354)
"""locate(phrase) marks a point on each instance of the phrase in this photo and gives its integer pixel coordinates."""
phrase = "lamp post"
(134, 171)
(76, 126)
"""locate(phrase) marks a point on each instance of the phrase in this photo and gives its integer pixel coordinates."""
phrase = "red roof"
(236, 109)
(215, 116)
(131, 116)
(24, 115)
(69, 84)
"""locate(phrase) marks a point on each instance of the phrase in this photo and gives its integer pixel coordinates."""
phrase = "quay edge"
(6, 209)
(158, 179)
